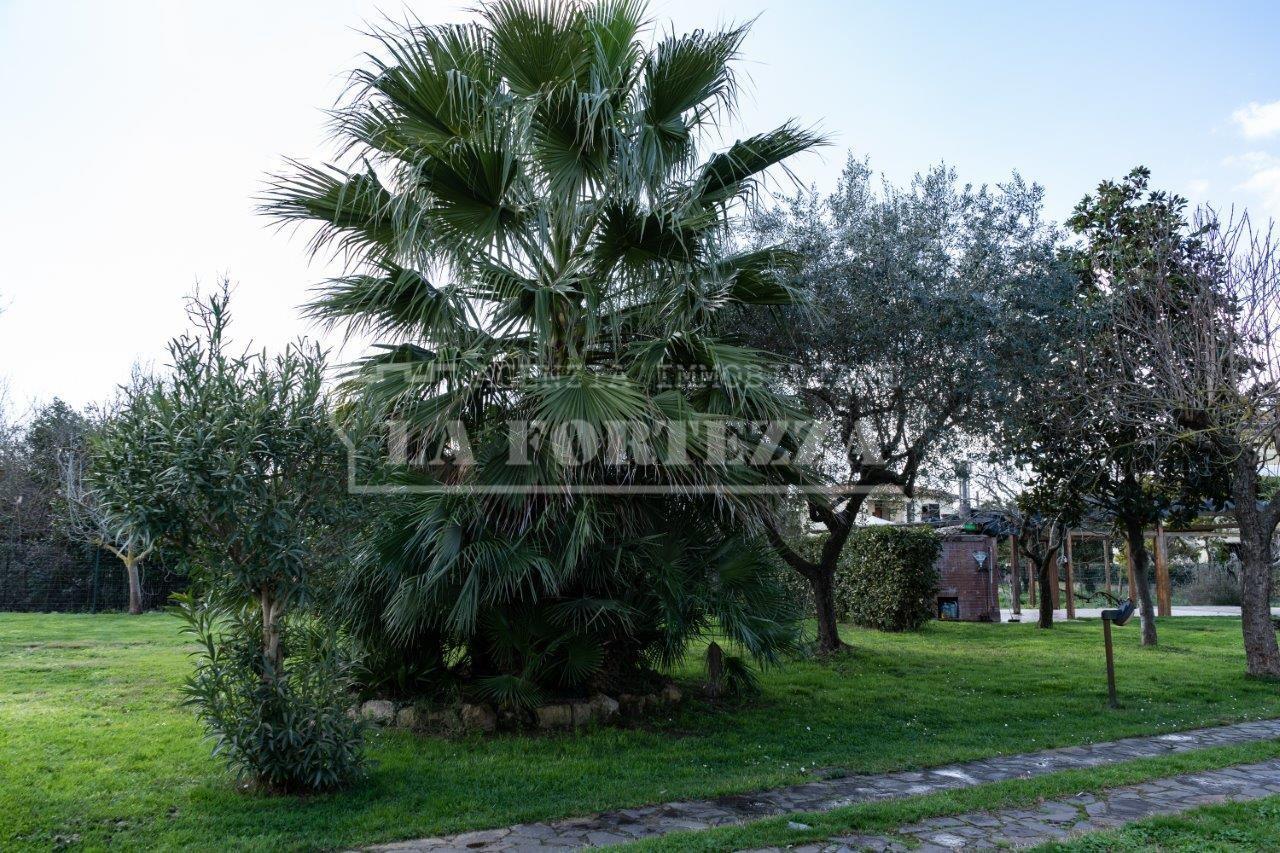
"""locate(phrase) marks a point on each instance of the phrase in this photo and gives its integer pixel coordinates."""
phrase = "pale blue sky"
(135, 133)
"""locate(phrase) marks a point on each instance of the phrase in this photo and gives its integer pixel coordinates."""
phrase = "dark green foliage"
(536, 225)
(241, 469)
(889, 578)
(605, 617)
(285, 734)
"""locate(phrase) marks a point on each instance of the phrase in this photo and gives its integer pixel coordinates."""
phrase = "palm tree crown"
(532, 199)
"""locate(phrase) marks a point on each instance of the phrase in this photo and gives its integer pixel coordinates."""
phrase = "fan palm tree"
(533, 221)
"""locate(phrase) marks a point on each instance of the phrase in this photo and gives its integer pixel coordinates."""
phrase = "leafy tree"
(1078, 429)
(1210, 377)
(108, 488)
(245, 470)
(533, 223)
(30, 482)
(928, 308)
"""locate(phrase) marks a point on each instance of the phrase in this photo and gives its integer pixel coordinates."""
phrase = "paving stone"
(1015, 827)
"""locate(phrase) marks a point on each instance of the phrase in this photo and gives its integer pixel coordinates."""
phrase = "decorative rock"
(407, 718)
(603, 708)
(672, 695)
(380, 712)
(554, 716)
(582, 713)
(354, 711)
(630, 704)
(479, 718)
(447, 720)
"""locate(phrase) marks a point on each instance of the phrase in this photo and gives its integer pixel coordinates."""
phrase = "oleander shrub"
(888, 579)
(283, 732)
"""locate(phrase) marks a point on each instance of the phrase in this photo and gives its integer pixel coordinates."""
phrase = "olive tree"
(109, 489)
(927, 307)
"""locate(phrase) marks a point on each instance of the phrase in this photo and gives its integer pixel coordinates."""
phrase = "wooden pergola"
(1160, 557)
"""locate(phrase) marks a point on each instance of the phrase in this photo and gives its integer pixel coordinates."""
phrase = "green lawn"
(95, 750)
(1235, 826)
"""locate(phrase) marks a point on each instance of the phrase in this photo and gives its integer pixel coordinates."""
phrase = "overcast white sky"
(136, 133)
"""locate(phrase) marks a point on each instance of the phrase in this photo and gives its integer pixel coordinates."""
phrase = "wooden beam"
(1031, 585)
(1015, 576)
(1107, 556)
(1128, 554)
(1054, 591)
(1164, 590)
(1071, 582)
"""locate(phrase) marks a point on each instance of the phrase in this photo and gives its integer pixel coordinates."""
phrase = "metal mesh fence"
(44, 576)
(1214, 583)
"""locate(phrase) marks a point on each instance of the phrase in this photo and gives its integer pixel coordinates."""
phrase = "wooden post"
(1106, 564)
(1112, 701)
(1164, 590)
(1133, 586)
(1054, 591)
(1071, 582)
(1015, 576)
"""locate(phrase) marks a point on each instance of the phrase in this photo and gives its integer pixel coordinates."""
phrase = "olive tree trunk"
(1044, 574)
(135, 584)
(822, 582)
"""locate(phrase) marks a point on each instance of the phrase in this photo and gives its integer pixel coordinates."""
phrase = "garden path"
(623, 825)
(1058, 820)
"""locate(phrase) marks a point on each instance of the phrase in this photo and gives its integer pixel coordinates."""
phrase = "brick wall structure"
(967, 592)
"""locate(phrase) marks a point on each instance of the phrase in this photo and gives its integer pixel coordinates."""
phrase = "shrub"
(246, 482)
(889, 579)
(1214, 586)
(286, 734)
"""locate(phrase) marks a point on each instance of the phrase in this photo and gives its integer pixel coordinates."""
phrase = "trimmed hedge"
(888, 577)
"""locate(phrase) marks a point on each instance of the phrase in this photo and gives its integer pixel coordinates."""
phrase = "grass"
(97, 752)
(880, 818)
(1236, 826)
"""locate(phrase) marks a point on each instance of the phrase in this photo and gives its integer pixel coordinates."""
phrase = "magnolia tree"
(1212, 382)
(1077, 426)
(927, 307)
(239, 468)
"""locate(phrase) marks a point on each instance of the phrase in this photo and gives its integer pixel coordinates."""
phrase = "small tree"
(109, 489)
(1106, 439)
(245, 469)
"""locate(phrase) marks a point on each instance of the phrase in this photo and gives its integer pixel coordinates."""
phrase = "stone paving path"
(1061, 819)
(616, 827)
